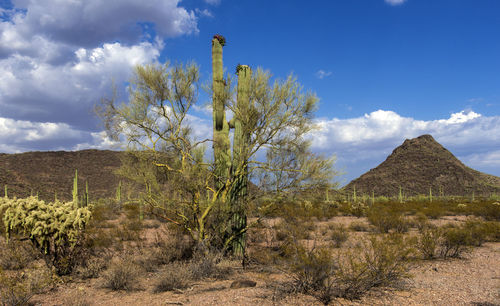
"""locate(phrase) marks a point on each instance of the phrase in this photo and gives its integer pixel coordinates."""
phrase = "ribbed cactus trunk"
(239, 166)
(221, 144)
(75, 189)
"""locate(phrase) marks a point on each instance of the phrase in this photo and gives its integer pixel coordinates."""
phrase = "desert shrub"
(421, 221)
(383, 262)
(208, 264)
(358, 226)
(312, 271)
(376, 262)
(55, 229)
(104, 210)
(171, 245)
(18, 288)
(492, 230)
(434, 211)
(489, 211)
(122, 274)
(478, 231)
(455, 242)
(176, 276)
(429, 242)
(93, 266)
(339, 235)
(16, 255)
(358, 209)
(385, 219)
(98, 239)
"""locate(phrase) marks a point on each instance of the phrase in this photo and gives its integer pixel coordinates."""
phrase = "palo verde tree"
(208, 198)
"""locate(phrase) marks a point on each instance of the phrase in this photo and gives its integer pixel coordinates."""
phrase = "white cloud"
(321, 74)
(204, 12)
(213, 2)
(58, 58)
(88, 23)
(35, 90)
(395, 2)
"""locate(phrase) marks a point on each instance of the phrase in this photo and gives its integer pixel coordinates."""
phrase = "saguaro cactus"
(75, 189)
(239, 164)
(221, 144)
(226, 169)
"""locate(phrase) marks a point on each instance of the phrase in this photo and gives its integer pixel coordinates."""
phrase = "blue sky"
(384, 70)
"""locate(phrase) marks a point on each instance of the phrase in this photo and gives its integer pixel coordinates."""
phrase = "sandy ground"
(472, 280)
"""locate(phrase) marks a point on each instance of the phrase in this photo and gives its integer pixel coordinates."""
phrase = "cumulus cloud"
(58, 58)
(362, 143)
(321, 74)
(88, 23)
(395, 2)
(35, 90)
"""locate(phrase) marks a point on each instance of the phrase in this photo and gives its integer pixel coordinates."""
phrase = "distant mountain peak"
(420, 164)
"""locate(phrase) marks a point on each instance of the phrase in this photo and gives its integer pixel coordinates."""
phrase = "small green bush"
(385, 219)
(421, 221)
(18, 288)
(176, 276)
(456, 241)
(358, 226)
(312, 269)
(208, 264)
(429, 241)
(16, 255)
(93, 267)
(376, 262)
(122, 274)
(339, 235)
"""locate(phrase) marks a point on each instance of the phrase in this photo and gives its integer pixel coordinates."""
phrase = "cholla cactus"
(53, 228)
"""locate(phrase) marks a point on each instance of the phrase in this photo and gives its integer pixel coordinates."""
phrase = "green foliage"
(359, 226)
(384, 219)
(208, 199)
(378, 261)
(122, 274)
(429, 241)
(18, 288)
(53, 228)
(338, 235)
(176, 276)
(16, 255)
(453, 241)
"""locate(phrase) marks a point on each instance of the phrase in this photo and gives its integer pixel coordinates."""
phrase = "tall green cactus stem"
(221, 144)
(75, 189)
(119, 192)
(86, 193)
(239, 165)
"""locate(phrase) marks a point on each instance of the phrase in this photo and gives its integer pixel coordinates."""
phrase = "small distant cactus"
(75, 189)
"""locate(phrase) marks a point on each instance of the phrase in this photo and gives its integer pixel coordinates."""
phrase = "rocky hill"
(50, 172)
(420, 164)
